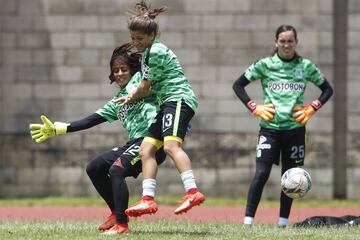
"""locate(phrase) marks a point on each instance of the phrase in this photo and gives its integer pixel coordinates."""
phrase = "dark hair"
(285, 28)
(143, 19)
(132, 59)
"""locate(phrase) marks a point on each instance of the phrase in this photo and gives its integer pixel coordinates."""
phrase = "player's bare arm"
(143, 90)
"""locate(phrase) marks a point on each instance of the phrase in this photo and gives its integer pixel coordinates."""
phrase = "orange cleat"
(191, 199)
(109, 222)
(118, 228)
(146, 205)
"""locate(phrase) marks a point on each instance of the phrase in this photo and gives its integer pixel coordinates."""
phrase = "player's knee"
(171, 148)
(262, 175)
(116, 170)
(143, 153)
(146, 153)
(91, 168)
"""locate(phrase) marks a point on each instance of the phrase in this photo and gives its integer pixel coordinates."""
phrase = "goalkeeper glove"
(41, 132)
(303, 113)
(265, 111)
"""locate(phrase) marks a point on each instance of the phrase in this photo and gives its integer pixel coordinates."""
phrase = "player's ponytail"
(143, 19)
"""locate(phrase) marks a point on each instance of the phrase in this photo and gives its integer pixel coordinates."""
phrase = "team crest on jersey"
(299, 74)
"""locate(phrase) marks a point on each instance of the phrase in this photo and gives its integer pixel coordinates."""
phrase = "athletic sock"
(149, 186)
(248, 220)
(188, 180)
(283, 222)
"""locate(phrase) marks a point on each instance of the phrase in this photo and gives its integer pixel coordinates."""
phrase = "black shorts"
(129, 157)
(287, 144)
(171, 121)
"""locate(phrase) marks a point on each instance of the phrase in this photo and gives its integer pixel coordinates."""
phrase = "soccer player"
(284, 76)
(163, 76)
(109, 170)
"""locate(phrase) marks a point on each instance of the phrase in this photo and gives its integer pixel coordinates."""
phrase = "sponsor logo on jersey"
(123, 111)
(286, 86)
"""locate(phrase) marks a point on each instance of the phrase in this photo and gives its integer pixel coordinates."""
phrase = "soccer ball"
(295, 182)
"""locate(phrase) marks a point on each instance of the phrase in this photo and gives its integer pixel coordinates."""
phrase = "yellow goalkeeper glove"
(265, 111)
(41, 132)
(303, 113)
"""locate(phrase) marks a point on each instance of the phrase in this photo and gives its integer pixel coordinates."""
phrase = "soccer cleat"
(144, 206)
(190, 200)
(109, 222)
(282, 225)
(118, 228)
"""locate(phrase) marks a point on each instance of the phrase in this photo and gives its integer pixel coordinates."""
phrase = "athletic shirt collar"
(287, 60)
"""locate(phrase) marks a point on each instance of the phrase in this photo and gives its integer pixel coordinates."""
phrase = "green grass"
(170, 230)
(171, 200)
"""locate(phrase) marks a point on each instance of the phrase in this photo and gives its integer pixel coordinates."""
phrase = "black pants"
(108, 171)
(273, 144)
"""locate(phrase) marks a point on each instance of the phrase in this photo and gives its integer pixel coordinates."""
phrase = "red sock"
(192, 190)
(148, 198)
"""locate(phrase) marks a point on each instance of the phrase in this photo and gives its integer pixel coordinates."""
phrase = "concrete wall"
(54, 61)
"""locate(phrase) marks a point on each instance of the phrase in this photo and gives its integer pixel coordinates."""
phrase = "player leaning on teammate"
(284, 77)
(163, 76)
(109, 170)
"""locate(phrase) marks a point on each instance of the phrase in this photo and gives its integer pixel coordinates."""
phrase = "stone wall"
(54, 61)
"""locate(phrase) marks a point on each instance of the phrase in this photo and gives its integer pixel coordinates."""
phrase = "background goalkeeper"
(109, 170)
(284, 77)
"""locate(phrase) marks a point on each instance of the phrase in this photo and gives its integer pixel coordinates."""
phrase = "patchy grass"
(169, 230)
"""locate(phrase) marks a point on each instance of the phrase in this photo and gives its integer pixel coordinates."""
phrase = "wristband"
(251, 105)
(316, 104)
(60, 128)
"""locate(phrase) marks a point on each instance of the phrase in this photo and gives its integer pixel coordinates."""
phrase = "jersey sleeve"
(108, 111)
(254, 72)
(314, 74)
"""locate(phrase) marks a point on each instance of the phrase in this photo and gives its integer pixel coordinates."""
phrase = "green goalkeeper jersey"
(161, 66)
(135, 117)
(284, 84)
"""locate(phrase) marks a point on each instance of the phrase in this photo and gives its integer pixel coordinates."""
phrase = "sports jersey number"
(297, 152)
(167, 120)
(133, 150)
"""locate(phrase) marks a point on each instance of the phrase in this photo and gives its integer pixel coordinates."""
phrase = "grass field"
(168, 229)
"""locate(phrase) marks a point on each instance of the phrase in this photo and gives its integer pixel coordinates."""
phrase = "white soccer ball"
(295, 182)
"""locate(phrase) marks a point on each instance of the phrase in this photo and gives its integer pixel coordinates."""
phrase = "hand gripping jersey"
(284, 84)
(161, 66)
(135, 117)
